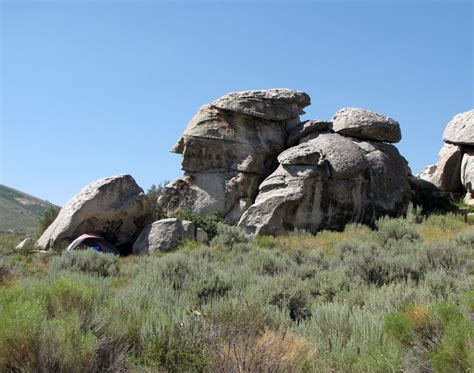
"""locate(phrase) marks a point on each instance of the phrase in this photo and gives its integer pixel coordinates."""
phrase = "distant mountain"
(20, 211)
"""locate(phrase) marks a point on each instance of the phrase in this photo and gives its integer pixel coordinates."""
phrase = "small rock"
(367, 125)
(201, 236)
(25, 243)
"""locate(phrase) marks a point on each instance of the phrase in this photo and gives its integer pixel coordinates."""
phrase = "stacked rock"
(454, 171)
(248, 157)
(228, 148)
(335, 173)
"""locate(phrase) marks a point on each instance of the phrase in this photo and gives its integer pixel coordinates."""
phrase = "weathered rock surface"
(467, 170)
(162, 235)
(445, 175)
(367, 125)
(271, 104)
(228, 148)
(327, 182)
(114, 207)
(204, 193)
(307, 128)
(220, 141)
(460, 129)
(189, 229)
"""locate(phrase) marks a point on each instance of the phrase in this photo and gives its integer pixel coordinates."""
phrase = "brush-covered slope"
(20, 211)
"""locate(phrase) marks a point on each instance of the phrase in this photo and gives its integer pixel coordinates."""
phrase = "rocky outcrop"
(228, 148)
(454, 172)
(248, 157)
(327, 182)
(367, 125)
(445, 175)
(114, 208)
(460, 130)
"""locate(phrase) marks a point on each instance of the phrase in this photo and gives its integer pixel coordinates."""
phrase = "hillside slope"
(20, 211)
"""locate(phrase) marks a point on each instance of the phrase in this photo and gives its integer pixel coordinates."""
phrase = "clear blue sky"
(96, 88)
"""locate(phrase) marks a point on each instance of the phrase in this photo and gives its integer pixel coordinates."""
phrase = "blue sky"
(96, 88)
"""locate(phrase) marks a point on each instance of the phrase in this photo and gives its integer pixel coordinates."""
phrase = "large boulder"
(223, 141)
(366, 125)
(446, 174)
(461, 129)
(114, 207)
(228, 148)
(327, 182)
(272, 104)
(160, 236)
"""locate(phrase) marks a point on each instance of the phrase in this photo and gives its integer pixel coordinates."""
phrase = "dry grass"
(438, 228)
(418, 315)
(272, 352)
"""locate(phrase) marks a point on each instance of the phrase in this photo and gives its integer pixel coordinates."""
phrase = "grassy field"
(398, 298)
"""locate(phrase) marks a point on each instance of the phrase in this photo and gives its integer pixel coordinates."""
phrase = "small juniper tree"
(47, 219)
(152, 194)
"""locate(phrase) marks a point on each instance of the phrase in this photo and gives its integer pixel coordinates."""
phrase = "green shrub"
(228, 237)
(390, 229)
(213, 287)
(7, 269)
(67, 346)
(152, 195)
(270, 263)
(88, 261)
(447, 221)
(447, 255)
(176, 269)
(180, 347)
(380, 266)
(466, 240)
(20, 330)
(209, 223)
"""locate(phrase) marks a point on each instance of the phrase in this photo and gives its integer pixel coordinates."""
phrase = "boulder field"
(248, 157)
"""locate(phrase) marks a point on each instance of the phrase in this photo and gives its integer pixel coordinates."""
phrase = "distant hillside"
(20, 211)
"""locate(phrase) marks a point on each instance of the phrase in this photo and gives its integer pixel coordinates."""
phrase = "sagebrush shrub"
(389, 229)
(7, 269)
(88, 261)
(228, 237)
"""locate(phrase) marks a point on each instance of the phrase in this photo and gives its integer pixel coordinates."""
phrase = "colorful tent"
(94, 242)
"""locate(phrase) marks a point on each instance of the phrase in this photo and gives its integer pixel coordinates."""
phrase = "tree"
(153, 193)
(47, 219)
